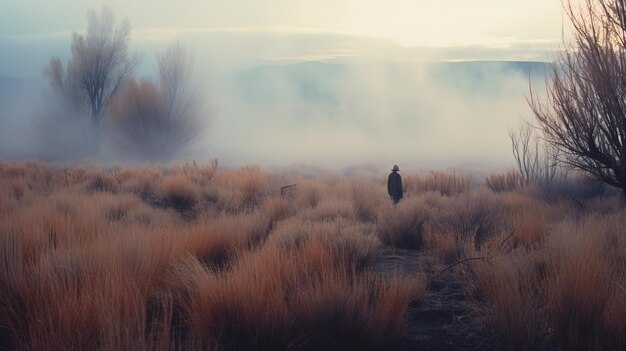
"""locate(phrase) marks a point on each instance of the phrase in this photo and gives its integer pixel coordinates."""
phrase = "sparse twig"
(486, 259)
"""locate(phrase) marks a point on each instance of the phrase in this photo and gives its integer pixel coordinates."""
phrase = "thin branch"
(486, 259)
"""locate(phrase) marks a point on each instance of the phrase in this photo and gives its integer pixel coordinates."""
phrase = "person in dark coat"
(394, 185)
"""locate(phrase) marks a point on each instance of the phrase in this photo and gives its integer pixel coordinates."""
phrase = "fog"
(279, 98)
(418, 114)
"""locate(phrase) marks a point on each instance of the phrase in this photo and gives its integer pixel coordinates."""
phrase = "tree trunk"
(96, 134)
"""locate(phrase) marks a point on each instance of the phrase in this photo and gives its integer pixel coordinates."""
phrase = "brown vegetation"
(191, 257)
(95, 259)
(157, 120)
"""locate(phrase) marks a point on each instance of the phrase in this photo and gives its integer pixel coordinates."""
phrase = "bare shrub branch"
(584, 117)
(156, 121)
(97, 70)
(537, 161)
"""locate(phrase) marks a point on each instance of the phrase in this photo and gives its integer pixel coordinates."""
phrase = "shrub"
(307, 302)
(143, 182)
(529, 226)
(242, 308)
(445, 245)
(179, 192)
(514, 288)
(580, 290)
(506, 182)
(102, 269)
(364, 198)
(241, 189)
(308, 194)
(476, 215)
(277, 207)
(354, 243)
(447, 184)
(329, 209)
(102, 183)
(157, 120)
(403, 225)
(568, 282)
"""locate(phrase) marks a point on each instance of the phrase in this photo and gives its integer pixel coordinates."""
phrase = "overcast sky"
(407, 22)
(499, 29)
(230, 36)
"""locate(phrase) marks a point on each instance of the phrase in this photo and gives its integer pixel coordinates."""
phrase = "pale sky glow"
(255, 31)
(407, 22)
(322, 81)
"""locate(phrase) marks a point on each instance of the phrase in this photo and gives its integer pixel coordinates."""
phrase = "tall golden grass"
(194, 257)
(509, 181)
(555, 282)
(112, 259)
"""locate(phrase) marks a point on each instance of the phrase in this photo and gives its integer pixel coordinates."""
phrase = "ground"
(443, 321)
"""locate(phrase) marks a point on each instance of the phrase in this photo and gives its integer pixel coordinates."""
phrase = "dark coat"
(394, 185)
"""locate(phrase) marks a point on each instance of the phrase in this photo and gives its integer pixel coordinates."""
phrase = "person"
(394, 185)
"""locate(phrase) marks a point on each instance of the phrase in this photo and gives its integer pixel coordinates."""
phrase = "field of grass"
(198, 258)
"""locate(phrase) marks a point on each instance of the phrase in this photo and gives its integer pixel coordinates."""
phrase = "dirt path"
(442, 321)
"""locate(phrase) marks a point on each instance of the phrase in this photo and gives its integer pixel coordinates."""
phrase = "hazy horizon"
(321, 83)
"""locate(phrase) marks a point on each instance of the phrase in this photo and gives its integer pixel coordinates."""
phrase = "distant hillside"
(478, 68)
(317, 82)
(351, 112)
(310, 81)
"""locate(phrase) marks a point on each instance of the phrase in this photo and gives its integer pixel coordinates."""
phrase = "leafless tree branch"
(99, 67)
(158, 120)
(584, 116)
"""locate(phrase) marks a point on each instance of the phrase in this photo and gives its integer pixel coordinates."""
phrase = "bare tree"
(524, 156)
(176, 66)
(585, 113)
(537, 162)
(97, 70)
(157, 121)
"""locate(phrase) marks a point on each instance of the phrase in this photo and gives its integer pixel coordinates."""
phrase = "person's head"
(395, 168)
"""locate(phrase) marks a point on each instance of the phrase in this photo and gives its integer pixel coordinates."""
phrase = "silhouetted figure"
(394, 185)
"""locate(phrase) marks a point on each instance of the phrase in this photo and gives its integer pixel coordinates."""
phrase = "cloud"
(421, 115)
(299, 44)
(356, 99)
(232, 48)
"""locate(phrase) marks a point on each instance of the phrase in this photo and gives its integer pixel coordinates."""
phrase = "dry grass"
(584, 287)
(354, 242)
(505, 182)
(558, 283)
(308, 302)
(278, 208)
(476, 215)
(329, 209)
(308, 194)
(112, 259)
(179, 192)
(447, 184)
(514, 289)
(403, 225)
(364, 198)
(529, 227)
(446, 246)
(106, 260)
(242, 188)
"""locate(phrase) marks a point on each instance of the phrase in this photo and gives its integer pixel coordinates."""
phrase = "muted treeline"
(96, 102)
